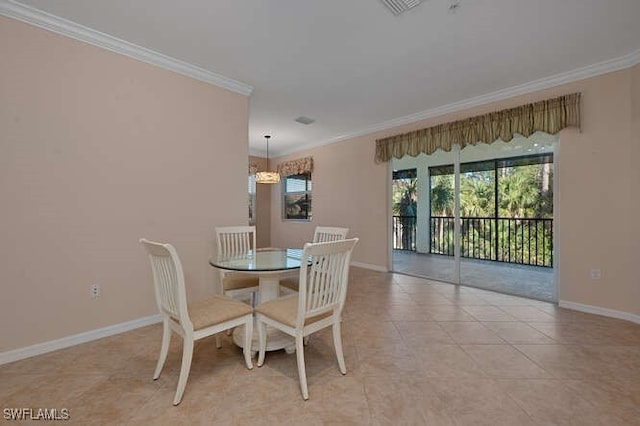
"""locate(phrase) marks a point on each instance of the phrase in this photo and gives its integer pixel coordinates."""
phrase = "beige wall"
(96, 151)
(598, 181)
(595, 181)
(263, 210)
(634, 184)
(349, 190)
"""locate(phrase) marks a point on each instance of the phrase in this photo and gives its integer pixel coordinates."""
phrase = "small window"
(252, 199)
(297, 197)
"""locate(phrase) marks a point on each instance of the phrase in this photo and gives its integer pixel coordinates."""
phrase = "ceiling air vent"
(399, 6)
(304, 120)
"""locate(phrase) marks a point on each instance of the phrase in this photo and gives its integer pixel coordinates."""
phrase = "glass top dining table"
(261, 260)
(268, 265)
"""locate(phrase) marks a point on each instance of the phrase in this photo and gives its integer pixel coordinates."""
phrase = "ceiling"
(353, 66)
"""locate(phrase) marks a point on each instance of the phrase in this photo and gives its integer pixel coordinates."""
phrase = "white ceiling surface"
(352, 65)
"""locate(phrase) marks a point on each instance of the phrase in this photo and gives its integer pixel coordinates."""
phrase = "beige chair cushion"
(216, 309)
(285, 310)
(234, 281)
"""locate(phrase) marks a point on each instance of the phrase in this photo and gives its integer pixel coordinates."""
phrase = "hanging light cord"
(267, 137)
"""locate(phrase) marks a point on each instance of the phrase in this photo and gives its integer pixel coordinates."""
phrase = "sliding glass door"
(506, 216)
(431, 253)
(484, 217)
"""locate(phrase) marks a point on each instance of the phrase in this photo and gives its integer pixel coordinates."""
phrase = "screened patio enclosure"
(506, 228)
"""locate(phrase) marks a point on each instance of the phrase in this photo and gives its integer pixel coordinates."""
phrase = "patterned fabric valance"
(253, 168)
(296, 167)
(551, 116)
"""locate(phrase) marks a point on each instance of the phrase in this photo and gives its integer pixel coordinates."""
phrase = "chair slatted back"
(235, 240)
(325, 234)
(168, 280)
(324, 281)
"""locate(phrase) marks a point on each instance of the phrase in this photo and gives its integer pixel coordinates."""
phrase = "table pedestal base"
(276, 340)
(269, 289)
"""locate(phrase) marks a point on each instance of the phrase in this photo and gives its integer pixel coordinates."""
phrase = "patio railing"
(404, 233)
(527, 241)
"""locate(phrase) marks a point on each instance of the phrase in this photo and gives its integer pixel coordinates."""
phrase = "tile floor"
(417, 352)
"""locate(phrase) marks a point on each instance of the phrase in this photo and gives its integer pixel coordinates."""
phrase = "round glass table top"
(261, 260)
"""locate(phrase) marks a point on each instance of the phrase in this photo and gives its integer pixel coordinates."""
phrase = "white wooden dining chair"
(237, 241)
(317, 305)
(192, 321)
(322, 234)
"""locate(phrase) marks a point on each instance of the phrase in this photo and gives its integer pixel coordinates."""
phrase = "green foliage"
(524, 193)
(404, 193)
(404, 197)
(442, 195)
(477, 194)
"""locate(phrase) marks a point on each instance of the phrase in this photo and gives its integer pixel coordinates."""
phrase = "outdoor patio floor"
(521, 280)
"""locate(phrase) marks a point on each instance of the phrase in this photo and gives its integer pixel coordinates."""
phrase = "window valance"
(551, 116)
(296, 167)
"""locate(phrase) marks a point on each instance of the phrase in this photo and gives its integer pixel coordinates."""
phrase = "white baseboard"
(369, 266)
(590, 309)
(76, 339)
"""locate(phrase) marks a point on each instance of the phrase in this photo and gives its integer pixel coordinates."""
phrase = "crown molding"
(534, 86)
(30, 15)
(39, 18)
(594, 70)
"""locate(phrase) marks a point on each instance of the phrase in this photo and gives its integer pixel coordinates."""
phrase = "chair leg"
(337, 343)
(187, 354)
(218, 341)
(248, 338)
(262, 340)
(302, 373)
(164, 350)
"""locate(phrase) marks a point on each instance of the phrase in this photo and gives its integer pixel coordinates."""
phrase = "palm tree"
(405, 206)
(442, 195)
(519, 192)
(476, 194)
(442, 205)
(477, 201)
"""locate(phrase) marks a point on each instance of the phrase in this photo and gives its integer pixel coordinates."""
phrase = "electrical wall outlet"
(95, 291)
(596, 274)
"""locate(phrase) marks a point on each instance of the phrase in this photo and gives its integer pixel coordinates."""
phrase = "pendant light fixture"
(267, 176)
